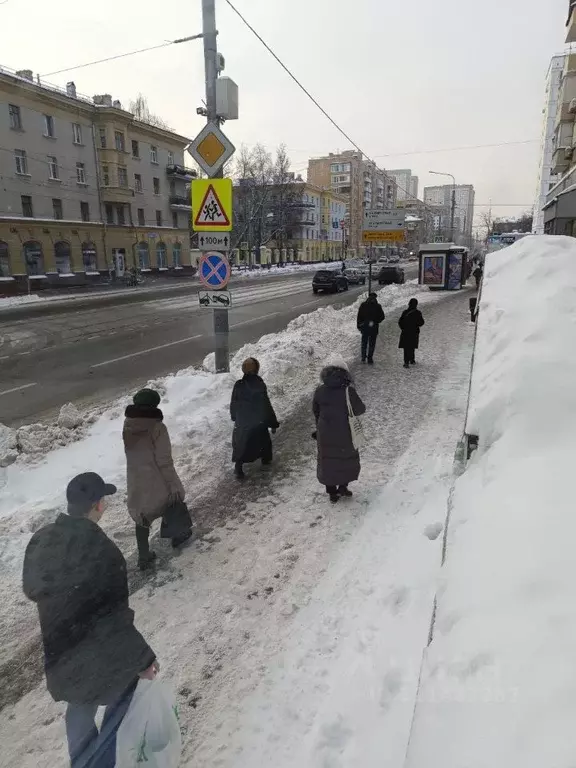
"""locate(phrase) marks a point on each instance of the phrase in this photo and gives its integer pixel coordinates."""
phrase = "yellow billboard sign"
(392, 236)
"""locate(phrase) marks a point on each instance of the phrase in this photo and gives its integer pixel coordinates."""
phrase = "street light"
(453, 205)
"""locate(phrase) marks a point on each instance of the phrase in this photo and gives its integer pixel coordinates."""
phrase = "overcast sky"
(399, 77)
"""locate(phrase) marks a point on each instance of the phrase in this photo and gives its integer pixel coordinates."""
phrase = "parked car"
(329, 281)
(389, 275)
(355, 276)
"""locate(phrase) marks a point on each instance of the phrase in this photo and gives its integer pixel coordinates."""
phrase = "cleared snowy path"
(294, 633)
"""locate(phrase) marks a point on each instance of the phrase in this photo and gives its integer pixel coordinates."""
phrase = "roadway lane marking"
(255, 320)
(17, 389)
(145, 351)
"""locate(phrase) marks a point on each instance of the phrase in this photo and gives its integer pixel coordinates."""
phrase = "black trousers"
(333, 489)
(409, 355)
(142, 540)
(368, 344)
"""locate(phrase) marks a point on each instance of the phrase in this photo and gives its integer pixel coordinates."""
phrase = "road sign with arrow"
(214, 241)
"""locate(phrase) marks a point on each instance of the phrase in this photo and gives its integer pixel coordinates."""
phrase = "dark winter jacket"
(151, 477)
(77, 577)
(410, 322)
(370, 315)
(253, 415)
(338, 460)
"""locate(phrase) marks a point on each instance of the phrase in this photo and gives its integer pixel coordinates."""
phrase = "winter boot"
(344, 491)
(334, 498)
(238, 471)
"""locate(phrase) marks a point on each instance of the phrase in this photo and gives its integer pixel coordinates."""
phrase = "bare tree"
(286, 202)
(486, 221)
(141, 111)
(253, 176)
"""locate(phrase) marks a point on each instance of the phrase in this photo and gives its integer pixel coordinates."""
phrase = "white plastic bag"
(356, 430)
(149, 733)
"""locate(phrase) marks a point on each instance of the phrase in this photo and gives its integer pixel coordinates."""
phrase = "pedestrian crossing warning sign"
(212, 205)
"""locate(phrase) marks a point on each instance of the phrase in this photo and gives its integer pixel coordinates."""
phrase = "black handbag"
(176, 520)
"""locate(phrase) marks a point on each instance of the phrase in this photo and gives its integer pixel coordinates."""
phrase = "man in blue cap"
(93, 653)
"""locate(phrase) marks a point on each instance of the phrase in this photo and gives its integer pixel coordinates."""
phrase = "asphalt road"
(91, 350)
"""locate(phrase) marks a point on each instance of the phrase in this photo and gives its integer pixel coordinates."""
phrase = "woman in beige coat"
(152, 479)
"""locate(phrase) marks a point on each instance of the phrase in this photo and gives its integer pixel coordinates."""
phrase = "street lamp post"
(453, 201)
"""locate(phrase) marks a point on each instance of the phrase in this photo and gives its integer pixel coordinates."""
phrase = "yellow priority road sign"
(212, 205)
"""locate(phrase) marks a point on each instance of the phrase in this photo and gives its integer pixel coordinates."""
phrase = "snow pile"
(16, 301)
(8, 446)
(287, 269)
(499, 683)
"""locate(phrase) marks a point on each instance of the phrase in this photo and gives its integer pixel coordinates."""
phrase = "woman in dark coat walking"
(410, 323)
(253, 415)
(338, 459)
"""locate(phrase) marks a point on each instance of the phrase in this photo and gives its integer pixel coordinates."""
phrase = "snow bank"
(499, 681)
(16, 301)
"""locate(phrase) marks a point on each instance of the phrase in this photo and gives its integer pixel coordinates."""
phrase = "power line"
(123, 55)
(459, 149)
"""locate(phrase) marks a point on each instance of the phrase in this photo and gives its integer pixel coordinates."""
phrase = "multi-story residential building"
(420, 223)
(360, 181)
(547, 179)
(86, 188)
(406, 182)
(414, 182)
(300, 222)
(440, 197)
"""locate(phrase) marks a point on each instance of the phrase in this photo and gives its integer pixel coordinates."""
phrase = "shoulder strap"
(348, 403)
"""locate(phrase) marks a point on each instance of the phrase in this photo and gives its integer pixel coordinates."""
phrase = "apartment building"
(361, 182)
(440, 197)
(547, 179)
(406, 182)
(86, 188)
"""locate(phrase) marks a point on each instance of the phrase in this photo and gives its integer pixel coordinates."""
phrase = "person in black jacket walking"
(370, 315)
(253, 415)
(94, 655)
(410, 323)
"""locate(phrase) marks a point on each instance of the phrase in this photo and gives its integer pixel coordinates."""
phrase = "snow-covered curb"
(498, 686)
(17, 301)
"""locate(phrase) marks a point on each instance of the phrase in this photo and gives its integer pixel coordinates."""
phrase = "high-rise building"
(403, 178)
(414, 187)
(547, 179)
(363, 184)
(87, 188)
(441, 197)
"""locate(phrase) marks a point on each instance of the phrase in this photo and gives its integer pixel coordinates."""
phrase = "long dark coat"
(338, 460)
(370, 315)
(77, 577)
(253, 415)
(410, 322)
(151, 476)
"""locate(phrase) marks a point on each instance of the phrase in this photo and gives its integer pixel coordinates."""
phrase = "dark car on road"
(389, 275)
(329, 281)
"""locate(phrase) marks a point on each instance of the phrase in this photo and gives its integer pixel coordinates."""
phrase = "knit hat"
(147, 398)
(250, 365)
(336, 361)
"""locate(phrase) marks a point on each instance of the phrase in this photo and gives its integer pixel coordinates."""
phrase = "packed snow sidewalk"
(275, 626)
(499, 685)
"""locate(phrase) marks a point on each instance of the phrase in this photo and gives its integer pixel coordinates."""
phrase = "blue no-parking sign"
(214, 270)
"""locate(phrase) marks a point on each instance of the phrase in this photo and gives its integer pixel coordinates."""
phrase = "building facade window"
(89, 257)
(119, 141)
(27, 210)
(62, 257)
(21, 162)
(175, 219)
(15, 117)
(49, 129)
(156, 185)
(5, 270)
(161, 255)
(33, 258)
(57, 209)
(170, 158)
(141, 217)
(159, 218)
(102, 134)
(53, 172)
(177, 255)
(172, 187)
(109, 211)
(120, 215)
(153, 154)
(85, 211)
(135, 150)
(80, 173)
(138, 183)
(77, 133)
(143, 255)
(105, 176)
(122, 176)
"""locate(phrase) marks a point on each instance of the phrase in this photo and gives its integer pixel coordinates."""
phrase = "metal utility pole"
(221, 321)
(453, 200)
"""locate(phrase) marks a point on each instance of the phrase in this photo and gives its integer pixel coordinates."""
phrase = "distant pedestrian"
(370, 315)
(152, 482)
(338, 459)
(410, 322)
(93, 653)
(478, 272)
(253, 415)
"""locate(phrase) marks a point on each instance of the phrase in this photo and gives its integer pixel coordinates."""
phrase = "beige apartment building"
(87, 190)
(361, 182)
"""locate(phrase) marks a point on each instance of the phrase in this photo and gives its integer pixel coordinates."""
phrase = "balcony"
(179, 171)
(571, 25)
(180, 203)
(114, 193)
(562, 159)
